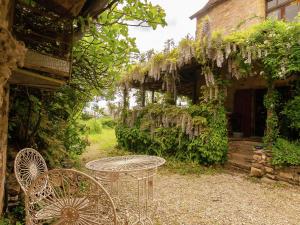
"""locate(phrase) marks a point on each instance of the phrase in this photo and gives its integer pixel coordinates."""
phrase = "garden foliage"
(196, 133)
(286, 153)
(46, 121)
(270, 49)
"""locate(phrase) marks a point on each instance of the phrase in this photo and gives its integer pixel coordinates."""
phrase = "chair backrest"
(29, 164)
(75, 198)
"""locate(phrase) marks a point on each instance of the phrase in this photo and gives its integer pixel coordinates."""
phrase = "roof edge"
(209, 5)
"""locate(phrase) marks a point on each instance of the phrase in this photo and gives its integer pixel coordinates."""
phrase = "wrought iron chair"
(29, 164)
(71, 197)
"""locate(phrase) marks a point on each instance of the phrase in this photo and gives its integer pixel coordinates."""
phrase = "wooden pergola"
(189, 80)
(48, 31)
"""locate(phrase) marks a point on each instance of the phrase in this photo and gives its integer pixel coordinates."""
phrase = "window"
(283, 9)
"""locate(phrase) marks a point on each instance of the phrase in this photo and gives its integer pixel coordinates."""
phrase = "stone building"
(35, 50)
(227, 16)
(245, 100)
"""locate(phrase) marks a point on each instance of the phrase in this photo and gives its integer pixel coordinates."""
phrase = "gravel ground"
(224, 199)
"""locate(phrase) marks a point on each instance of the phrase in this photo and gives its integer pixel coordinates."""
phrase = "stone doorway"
(249, 113)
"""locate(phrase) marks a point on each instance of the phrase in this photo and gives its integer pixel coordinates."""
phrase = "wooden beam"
(66, 8)
(49, 64)
(28, 78)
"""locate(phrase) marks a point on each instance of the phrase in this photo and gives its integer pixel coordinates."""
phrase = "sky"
(179, 24)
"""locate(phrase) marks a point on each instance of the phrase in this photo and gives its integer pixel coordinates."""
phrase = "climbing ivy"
(270, 102)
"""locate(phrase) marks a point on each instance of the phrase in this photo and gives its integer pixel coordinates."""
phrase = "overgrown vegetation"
(196, 133)
(48, 121)
(286, 153)
(270, 49)
(292, 113)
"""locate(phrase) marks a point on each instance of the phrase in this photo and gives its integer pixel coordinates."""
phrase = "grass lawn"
(105, 145)
(102, 145)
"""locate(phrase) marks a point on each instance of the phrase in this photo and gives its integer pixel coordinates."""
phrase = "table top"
(129, 163)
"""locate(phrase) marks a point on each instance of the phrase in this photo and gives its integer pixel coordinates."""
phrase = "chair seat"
(55, 209)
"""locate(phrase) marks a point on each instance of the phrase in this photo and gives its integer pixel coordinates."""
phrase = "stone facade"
(226, 16)
(12, 54)
(262, 168)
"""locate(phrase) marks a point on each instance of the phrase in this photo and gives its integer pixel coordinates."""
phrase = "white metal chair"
(29, 164)
(71, 198)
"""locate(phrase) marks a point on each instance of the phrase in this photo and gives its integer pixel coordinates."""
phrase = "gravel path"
(224, 199)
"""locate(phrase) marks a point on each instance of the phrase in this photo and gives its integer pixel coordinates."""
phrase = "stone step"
(242, 145)
(243, 165)
(238, 166)
(240, 155)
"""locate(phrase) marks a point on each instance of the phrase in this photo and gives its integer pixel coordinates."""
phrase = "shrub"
(46, 121)
(94, 126)
(286, 153)
(108, 122)
(173, 135)
(291, 111)
(4, 221)
(86, 116)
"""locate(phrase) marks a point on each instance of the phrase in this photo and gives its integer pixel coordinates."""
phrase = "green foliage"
(212, 144)
(270, 48)
(16, 216)
(286, 153)
(292, 112)
(86, 116)
(209, 146)
(272, 131)
(46, 121)
(94, 126)
(108, 122)
(107, 47)
(278, 43)
(4, 221)
(174, 165)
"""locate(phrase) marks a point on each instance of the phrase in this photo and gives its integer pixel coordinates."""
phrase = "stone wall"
(12, 54)
(262, 168)
(226, 16)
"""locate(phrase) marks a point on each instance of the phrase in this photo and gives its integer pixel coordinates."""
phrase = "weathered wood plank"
(38, 61)
(28, 78)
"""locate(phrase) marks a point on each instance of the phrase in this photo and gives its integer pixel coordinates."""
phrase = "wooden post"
(4, 98)
(125, 104)
(170, 95)
(152, 96)
(197, 87)
(143, 96)
(5, 21)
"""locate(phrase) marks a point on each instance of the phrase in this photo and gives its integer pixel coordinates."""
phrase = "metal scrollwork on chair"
(29, 164)
(74, 199)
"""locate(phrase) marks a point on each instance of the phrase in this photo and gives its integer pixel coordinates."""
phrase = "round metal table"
(130, 181)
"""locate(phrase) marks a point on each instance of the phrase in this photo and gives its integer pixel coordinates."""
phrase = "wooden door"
(243, 109)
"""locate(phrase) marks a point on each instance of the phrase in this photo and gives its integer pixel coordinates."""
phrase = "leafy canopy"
(107, 47)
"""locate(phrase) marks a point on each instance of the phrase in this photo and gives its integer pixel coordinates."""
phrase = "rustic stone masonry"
(226, 16)
(262, 168)
(13, 189)
(12, 54)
